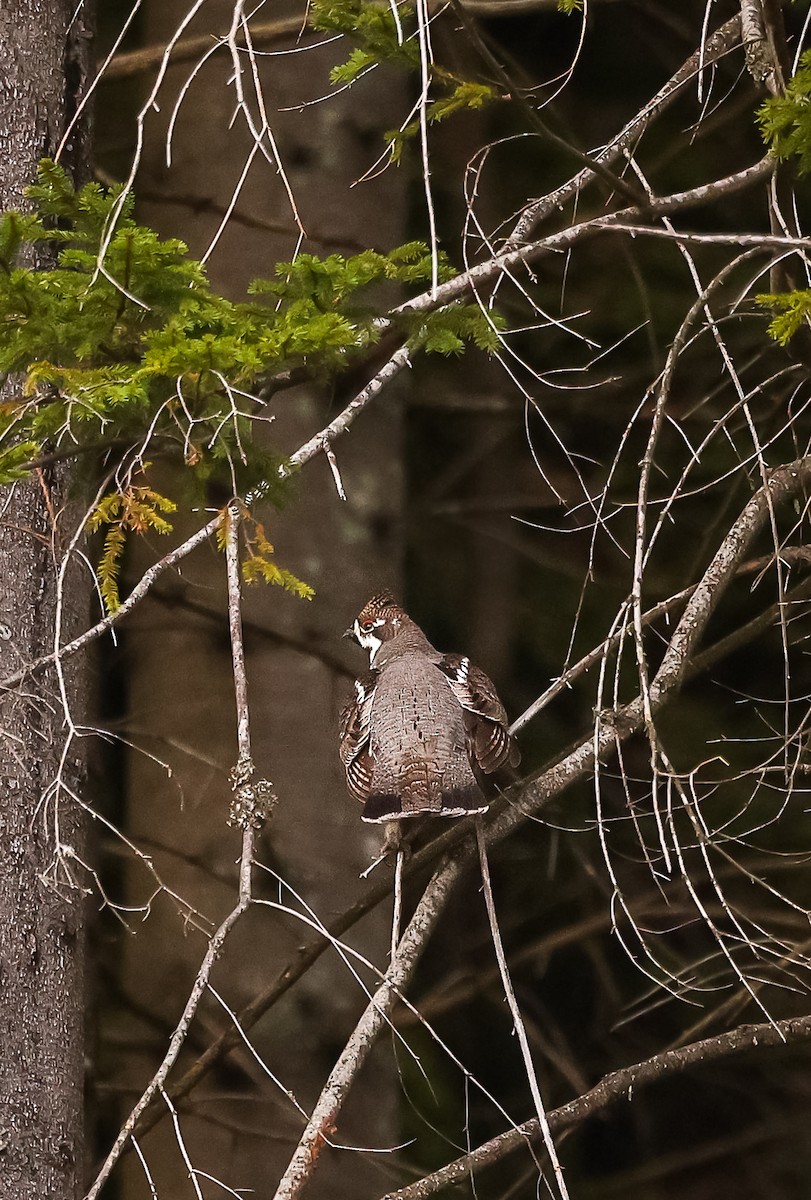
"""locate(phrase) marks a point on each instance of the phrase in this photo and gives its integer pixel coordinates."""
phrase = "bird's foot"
(394, 843)
(392, 838)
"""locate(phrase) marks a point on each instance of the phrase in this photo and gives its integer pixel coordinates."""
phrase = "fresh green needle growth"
(329, 282)
(140, 348)
(448, 331)
(137, 348)
(128, 352)
(374, 27)
(785, 121)
(382, 39)
(570, 6)
(460, 94)
(792, 310)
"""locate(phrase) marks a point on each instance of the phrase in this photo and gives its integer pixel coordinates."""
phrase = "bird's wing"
(354, 747)
(489, 744)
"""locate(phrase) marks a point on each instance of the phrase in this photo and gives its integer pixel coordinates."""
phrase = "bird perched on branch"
(423, 728)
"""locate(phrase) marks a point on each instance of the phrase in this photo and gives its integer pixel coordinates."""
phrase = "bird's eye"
(367, 626)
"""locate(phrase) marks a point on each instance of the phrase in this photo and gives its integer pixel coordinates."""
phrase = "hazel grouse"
(422, 727)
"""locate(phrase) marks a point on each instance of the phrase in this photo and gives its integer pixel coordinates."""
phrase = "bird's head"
(380, 620)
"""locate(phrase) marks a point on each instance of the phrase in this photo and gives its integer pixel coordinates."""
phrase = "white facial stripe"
(368, 640)
(372, 644)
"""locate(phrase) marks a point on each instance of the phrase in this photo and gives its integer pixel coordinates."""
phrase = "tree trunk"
(41, 936)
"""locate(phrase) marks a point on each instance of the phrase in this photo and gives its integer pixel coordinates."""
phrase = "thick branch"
(309, 450)
(445, 294)
(622, 1084)
(399, 359)
(186, 49)
(531, 798)
(617, 726)
(374, 1019)
(784, 482)
(716, 47)
(658, 206)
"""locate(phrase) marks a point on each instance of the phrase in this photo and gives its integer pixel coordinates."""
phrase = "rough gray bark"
(41, 936)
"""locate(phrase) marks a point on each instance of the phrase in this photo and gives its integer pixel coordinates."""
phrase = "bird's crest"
(382, 605)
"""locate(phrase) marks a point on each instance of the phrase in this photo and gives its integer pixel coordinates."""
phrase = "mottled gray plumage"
(421, 724)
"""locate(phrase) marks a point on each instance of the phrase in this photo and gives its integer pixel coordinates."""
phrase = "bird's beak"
(349, 633)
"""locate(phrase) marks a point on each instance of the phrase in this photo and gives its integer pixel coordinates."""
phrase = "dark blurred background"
(497, 497)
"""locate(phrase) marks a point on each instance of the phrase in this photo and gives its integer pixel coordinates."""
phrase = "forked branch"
(155, 1087)
(784, 483)
(622, 1084)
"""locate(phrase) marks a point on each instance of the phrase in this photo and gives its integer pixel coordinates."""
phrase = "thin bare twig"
(621, 1084)
(445, 293)
(136, 595)
(315, 445)
(595, 165)
(253, 800)
(726, 38)
(374, 1019)
(492, 268)
(518, 1023)
(399, 359)
(189, 48)
(155, 1087)
(782, 484)
(526, 800)
(616, 726)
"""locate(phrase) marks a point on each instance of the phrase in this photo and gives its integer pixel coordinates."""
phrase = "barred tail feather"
(454, 802)
(461, 802)
(383, 806)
